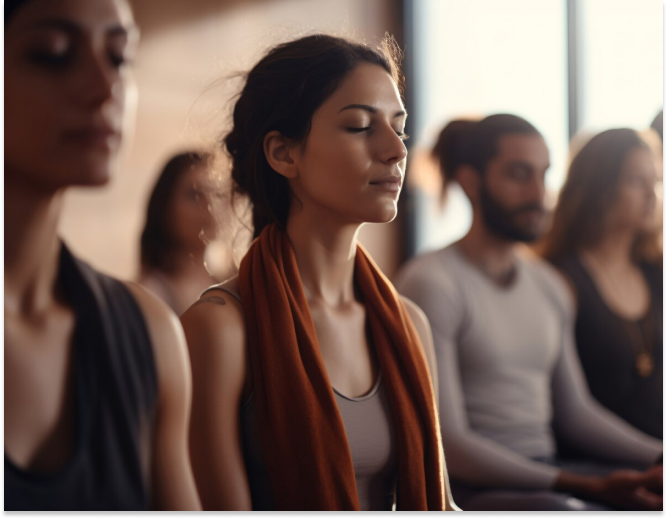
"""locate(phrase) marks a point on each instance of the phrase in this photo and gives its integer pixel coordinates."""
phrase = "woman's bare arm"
(423, 327)
(172, 482)
(215, 332)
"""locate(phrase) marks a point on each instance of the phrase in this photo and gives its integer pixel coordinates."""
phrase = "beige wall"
(186, 47)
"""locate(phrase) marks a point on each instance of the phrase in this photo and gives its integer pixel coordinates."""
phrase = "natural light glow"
(481, 57)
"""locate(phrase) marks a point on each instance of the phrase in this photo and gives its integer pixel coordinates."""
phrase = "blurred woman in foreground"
(97, 383)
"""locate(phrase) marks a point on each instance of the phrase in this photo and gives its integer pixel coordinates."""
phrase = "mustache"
(530, 207)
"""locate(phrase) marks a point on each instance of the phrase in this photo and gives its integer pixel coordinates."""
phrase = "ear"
(278, 151)
(470, 180)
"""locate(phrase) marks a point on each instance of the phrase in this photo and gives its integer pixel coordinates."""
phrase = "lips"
(388, 183)
(94, 136)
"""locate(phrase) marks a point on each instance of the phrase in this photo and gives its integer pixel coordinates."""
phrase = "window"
(480, 57)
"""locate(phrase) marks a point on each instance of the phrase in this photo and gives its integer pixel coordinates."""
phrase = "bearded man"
(509, 375)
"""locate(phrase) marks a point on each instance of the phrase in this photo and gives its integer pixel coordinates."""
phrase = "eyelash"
(118, 61)
(61, 60)
(404, 136)
(49, 60)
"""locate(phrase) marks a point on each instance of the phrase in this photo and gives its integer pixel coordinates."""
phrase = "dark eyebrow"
(75, 28)
(519, 164)
(524, 165)
(370, 109)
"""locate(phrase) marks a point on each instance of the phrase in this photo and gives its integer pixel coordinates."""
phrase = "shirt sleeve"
(471, 458)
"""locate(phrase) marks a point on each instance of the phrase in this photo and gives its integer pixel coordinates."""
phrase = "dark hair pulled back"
(449, 150)
(281, 93)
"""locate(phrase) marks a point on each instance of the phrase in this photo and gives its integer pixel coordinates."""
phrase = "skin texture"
(513, 188)
(66, 104)
(330, 175)
(192, 224)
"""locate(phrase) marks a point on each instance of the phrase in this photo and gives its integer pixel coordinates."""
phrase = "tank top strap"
(116, 393)
(220, 286)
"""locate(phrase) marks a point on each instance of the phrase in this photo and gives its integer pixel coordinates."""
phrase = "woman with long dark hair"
(312, 389)
(605, 240)
(97, 385)
(179, 225)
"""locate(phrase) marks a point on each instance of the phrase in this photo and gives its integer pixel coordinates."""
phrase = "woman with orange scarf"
(311, 384)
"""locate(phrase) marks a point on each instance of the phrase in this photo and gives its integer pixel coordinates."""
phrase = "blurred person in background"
(507, 367)
(179, 225)
(448, 150)
(97, 381)
(657, 125)
(604, 239)
(312, 388)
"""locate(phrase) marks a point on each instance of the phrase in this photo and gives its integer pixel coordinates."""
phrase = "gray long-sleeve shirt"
(507, 365)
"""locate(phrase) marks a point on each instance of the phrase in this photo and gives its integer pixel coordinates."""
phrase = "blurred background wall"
(571, 67)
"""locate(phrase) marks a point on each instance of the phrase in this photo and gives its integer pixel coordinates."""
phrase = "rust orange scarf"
(302, 432)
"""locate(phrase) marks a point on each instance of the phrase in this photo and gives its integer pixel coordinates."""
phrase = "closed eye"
(49, 59)
(118, 60)
(358, 130)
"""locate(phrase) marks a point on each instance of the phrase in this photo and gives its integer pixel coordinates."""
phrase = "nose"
(393, 148)
(100, 81)
(538, 189)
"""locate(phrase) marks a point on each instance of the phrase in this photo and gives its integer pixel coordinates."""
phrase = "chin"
(94, 172)
(92, 179)
(385, 216)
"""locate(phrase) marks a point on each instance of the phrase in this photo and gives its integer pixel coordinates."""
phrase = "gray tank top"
(370, 435)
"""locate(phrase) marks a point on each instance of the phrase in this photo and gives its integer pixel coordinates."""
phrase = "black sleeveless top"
(607, 353)
(115, 391)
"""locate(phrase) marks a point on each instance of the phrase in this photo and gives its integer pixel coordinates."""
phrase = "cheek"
(628, 208)
(32, 119)
(631, 202)
(36, 114)
(335, 169)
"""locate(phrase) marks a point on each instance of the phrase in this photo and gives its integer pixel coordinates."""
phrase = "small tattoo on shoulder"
(216, 300)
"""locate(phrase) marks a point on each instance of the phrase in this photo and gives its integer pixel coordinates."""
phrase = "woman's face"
(635, 205)
(190, 210)
(353, 161)
(66, 84)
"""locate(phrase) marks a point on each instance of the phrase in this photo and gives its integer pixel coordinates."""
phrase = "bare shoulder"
(216, 311)
(169, 349)
(214, 326)
(417, 315)
(423, 328)
(162, 322)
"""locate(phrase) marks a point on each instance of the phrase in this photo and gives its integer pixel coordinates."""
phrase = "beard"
(502, 221)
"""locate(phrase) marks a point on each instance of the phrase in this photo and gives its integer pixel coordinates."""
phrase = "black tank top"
(606, 351)
(115, 392)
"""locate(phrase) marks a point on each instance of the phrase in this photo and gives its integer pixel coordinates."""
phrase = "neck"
(187, 261)
(31, 247)
(493, 254)
(614, 249)
(325, 253)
